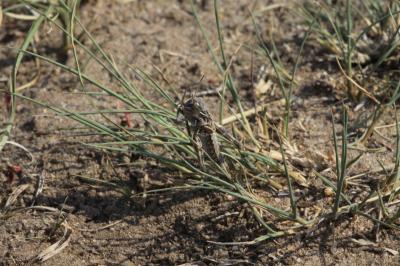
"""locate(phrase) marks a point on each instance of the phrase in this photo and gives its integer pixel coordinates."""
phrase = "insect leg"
(228, 136)
(196, 142)
(199, 151)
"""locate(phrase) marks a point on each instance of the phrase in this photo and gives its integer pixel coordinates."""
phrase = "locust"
(203, 131)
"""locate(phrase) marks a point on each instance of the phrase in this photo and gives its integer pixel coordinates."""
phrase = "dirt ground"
(170, 228)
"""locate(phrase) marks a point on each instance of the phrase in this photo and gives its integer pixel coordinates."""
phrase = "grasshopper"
(203, 130)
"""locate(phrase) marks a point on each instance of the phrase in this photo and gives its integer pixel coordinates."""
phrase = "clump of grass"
(286, 81)
(364, 38)
(31, 10)
(28, 10)
(362, 35)
(163, 138)
(382, 190)
(11, 102)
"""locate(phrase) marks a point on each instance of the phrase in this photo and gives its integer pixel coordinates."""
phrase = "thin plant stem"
(343, 162)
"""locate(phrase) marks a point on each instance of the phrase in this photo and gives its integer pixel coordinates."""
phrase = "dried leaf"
(57, 247)
(391, 251)
(14, 195)
(363, 242)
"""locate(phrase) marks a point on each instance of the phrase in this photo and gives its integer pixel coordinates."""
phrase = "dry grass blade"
(298, 178)
(249, 112)
(34, 80)
(102, 227)
(13, 197)
(366, 242)
(369, 95)
(41, 208)
(57, 247)
(30, 155)
(1, 14)
(39, 186)
(5, 133)
(36, 208)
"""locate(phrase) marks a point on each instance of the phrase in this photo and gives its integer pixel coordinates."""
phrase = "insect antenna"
(181, 104)
(197, 85)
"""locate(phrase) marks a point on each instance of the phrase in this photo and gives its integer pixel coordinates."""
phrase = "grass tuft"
(254, 176)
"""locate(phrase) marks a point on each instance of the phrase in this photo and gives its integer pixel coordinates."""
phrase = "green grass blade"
(5, 134)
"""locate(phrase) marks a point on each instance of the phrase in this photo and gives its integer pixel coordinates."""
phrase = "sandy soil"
(170, 228)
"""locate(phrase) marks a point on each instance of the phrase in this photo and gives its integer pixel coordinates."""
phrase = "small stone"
(329, 192)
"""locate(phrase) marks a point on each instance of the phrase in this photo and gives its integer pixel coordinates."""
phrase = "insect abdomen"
(211, 146)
